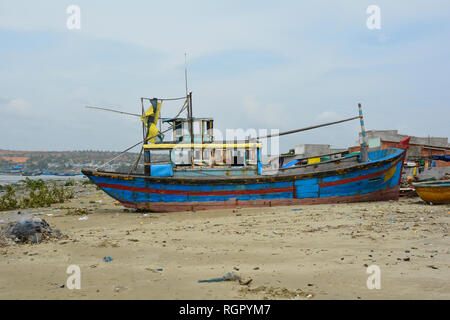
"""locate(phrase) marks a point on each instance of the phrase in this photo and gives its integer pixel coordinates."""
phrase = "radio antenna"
(185, 72)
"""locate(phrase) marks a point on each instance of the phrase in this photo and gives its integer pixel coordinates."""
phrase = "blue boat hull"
(375, 180)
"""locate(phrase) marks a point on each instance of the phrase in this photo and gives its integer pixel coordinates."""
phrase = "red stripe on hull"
(348, 180)
(381, 195)
(195, 193)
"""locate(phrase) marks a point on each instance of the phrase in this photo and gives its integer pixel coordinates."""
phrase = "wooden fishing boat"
(433, 191)
(200, 173)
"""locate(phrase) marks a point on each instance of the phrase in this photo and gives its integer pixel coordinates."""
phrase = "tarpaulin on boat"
(150, 120)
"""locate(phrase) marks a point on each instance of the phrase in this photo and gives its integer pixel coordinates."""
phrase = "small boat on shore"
(433, 191)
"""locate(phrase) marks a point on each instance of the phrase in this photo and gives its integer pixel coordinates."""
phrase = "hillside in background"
(64, 161)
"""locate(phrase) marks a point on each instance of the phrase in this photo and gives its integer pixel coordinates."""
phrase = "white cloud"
(266, 114)
(327, 116)
(17, 107)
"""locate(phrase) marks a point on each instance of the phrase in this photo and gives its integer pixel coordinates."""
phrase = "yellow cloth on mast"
(150, 118)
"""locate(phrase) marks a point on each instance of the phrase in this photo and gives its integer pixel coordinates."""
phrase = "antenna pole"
(185, 72)
(191, 127)
(363, 151)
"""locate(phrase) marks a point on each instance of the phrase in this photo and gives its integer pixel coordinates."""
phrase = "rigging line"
(106, 109)
(166, 99)
(135, 145)
(182, 108)
(304, 129)
(146, 139)
(169, 99)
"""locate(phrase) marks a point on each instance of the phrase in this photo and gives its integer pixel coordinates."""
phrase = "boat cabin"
(198, 154)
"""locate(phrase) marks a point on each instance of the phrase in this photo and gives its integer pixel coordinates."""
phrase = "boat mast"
(189, 109)
(363, 149)
(191, 126)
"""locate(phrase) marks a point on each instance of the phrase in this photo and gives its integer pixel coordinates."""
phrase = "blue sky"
(252, 64)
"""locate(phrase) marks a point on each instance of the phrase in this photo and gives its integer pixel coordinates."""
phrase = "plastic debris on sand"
(30, 230)
(229, 276)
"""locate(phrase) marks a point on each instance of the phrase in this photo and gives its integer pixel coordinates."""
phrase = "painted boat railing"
(430, 184)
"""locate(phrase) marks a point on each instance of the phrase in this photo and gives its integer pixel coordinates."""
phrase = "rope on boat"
(183, 107)
(126, 150)
(304, 129)
(167, 99)
(112, 110)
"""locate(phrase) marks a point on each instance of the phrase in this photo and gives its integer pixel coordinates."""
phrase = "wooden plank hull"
(371, 181)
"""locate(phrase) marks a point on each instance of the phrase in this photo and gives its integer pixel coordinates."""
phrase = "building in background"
(421, 149)
(419, 158)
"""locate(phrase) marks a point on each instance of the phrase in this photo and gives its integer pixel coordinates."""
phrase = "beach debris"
(156, 270)
(118, 288)
(31, 230)
(77, 212)
(107, 259)
(432, 267)
(229, 276)
(83, 218)
(277, 293)
(256, 268)
(296, 209)
(243, 282)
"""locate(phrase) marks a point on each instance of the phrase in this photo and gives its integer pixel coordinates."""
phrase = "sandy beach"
(303, 252)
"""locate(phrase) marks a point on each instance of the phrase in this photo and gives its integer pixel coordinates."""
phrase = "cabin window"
(181, 156)
(196, 127)
(219, 157)
(207, 156)
(178, 131)
(237, 157)
(198, 156)
(185, 133)
(159, 156)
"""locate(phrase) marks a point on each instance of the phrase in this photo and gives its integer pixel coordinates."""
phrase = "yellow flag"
(150, 120)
